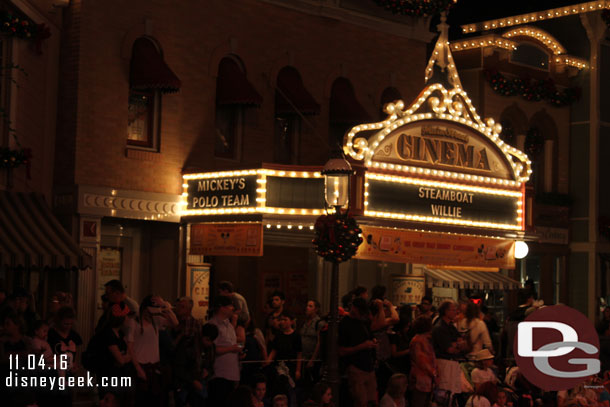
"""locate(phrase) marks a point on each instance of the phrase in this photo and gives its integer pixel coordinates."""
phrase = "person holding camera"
(143, 343)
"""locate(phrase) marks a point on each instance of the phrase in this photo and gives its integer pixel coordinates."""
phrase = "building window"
(530, 55)
(234, 93)
(149, 77)
(345, 111)
(229, 127)
(143, 118)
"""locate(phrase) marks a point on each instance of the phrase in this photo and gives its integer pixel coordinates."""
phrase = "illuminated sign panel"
(222, 192)
(442, 203)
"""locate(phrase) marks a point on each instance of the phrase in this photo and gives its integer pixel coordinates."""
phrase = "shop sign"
(407, 290)
(441, 294)
(552, 235)
(464, 205)
(227, 239)
(222, 192)
(199, 283)
(404, 246)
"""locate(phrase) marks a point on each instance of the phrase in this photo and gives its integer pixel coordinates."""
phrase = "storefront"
(438, 195)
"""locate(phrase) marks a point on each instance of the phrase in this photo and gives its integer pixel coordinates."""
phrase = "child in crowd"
(39, 341)
(286, 348)
(482, 373)
(395, 393)
(280, 401)
(502, 400)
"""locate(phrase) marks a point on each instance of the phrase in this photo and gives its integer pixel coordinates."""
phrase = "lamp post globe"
(337, 172)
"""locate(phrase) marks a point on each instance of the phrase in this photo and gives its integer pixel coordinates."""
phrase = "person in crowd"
(360, 292)
(239, 302)
(116, 293)
(64, 340)
(259, 387)
(383, 316)
(476, 330)
(482, 373)
(187, 364)
(209, 333)
(155, 314)
(322, 395)
(525, 299)
(449, 348)
(425, 307)
(399, 342)
(526, 400)
(423, 374)
(226, 364)
(114, 358)
(241, 397)
(280, 400)
(395, 393)
(13, 343)
(40, 346)
(310, 334)
(502, 398)
(584, 394)
(603, 326)
(23, 305)
(485, 395)
(255, 351)
(272, 327)
(103, 320)
(357, 348)
(286, 348)
(346, 301)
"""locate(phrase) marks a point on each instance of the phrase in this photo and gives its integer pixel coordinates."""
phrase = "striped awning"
(31, 236)
(480, 280)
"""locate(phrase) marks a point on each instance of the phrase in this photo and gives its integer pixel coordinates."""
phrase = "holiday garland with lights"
(532, 90)
(14, 158)
(416, 8)
(13, 26)
(337, 237)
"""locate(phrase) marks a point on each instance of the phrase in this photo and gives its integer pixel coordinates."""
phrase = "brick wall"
(194, 37)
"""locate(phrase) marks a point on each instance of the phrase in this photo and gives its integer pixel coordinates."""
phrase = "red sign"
(227, 239)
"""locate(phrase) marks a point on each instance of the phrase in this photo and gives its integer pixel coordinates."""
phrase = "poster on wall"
(199, 289)
(407, 290)
(405, 246)
(227, 239)
(111, 260)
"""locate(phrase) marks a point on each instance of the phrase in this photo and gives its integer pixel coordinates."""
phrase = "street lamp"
(337, 173)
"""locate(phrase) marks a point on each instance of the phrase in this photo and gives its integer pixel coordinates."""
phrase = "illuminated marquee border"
(261, 192)
(519, 221)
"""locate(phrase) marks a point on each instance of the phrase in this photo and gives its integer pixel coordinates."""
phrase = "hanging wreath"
(534, 91)
(14, 26)
(337, 237)
(14, 158)
(416, 8)
(534, 143)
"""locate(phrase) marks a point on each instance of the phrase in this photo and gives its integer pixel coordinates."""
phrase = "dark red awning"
(291, 94)
(232, 86)
(344, 107)
(148, 70)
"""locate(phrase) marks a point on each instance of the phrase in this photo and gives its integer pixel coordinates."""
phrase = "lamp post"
(337, 172)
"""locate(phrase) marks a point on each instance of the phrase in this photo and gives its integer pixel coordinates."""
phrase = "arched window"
(388, 95)
(234, 93)
(292, 103)
(345, 111)
(530, 55)
(541, 148)
(149, 77)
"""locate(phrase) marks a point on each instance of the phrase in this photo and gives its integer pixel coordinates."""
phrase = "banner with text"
(227, 239)
(199, 283)
(404, 246)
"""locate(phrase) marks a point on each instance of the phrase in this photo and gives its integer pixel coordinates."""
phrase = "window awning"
(481, 280)
(233, 87)
(31, 236)
(344, 107)
(148, 70)
(291, 94)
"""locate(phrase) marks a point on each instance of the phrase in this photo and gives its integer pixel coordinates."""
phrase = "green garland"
(416, 8)
(13, 26)
(337, 237)
(14, 158)
(532, 90)
(534, 143)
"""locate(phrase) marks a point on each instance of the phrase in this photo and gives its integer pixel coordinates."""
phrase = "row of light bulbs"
(538, 16)
(448, 221)
(484, 41)
(260, 171)
(361, 148)
(539, 35)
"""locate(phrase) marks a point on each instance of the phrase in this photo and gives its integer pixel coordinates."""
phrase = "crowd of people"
(453, 355)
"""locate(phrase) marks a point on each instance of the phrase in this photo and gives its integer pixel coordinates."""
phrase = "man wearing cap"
(357, 349)
(226, 365)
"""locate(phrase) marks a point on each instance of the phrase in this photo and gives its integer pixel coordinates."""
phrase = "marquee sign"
(222, 192)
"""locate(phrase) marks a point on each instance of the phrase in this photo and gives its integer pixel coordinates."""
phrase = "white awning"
(481, 280)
